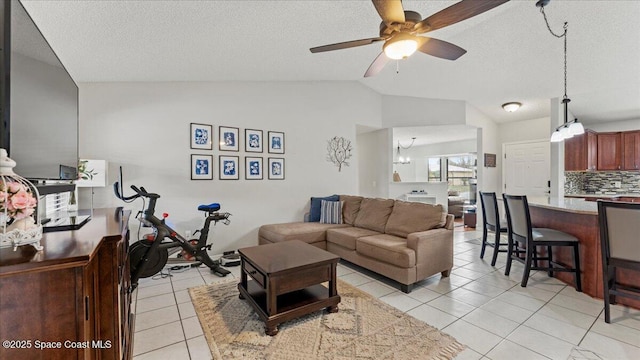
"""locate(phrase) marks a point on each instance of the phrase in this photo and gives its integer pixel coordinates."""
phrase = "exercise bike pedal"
(220, 271)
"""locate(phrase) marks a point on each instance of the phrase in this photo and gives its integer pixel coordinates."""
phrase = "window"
(435, 174)
(460, 171)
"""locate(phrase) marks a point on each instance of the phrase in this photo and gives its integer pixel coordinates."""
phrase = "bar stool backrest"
(490, 209)
(518, 218)
(620, 230)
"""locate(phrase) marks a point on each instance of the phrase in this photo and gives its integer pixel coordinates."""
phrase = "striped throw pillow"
(331, 212)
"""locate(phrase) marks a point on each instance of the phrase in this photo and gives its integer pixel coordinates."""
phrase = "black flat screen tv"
(39, 100)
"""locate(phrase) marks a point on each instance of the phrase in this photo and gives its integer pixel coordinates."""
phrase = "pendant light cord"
(563, 35)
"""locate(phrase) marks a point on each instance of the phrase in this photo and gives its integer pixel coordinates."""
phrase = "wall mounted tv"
(39, 99)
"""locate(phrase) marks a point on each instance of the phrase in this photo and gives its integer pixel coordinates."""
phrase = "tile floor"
(477, 304)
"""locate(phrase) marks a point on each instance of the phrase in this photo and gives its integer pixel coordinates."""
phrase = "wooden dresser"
(71, 300)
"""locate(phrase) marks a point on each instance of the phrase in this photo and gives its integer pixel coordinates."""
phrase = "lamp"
(511, 106)
(400, 46)
(399, 159)
(568, 129)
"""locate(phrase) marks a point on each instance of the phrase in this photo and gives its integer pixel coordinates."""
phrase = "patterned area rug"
(363, 328)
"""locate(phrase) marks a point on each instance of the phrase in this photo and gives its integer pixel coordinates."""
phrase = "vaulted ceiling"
(511, 56)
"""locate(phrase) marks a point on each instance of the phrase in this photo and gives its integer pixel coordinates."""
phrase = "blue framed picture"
(201, 167)
(253, 140)
(276, 168)
(228, 137)
(201, 136)
(253, 168)
(276, 142)
(229, 167)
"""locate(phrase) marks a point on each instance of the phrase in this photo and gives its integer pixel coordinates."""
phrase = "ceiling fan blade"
(390, 11)
(439, 48)
(456, 13)
(377, 65)
(345, 45)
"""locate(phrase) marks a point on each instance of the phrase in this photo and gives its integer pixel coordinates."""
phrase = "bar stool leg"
(484, 241)
(507, 269)
(576, 263)
(527, 266)
(550, 260)
(496, 249)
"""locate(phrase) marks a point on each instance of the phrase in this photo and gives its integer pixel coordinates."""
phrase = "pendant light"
(569, 128)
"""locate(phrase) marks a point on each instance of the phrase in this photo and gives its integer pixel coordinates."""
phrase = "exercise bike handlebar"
(141, 192)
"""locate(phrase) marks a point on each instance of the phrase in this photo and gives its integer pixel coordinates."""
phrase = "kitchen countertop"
(568, 204)
(601, 195)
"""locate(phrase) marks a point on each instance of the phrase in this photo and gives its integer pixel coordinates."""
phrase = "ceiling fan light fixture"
(400, 46)
(511, 106)
(556, 136)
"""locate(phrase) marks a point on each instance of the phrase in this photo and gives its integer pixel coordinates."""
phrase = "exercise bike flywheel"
(155, 261)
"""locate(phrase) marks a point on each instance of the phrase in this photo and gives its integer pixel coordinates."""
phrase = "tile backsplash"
(602, 182)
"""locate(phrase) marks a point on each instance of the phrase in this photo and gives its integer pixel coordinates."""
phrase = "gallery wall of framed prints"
(254, 166)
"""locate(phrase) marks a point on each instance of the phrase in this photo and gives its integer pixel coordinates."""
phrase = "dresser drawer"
(254, 273)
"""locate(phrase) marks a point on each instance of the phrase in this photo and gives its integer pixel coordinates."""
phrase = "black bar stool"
(520, 232)
(491, 222)
(619, 229)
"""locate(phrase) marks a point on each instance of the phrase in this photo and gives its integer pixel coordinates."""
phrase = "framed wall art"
(253, 140)
(276, 142)
(276, 169)
(201, 136)
(253, 168)
(201, 167)
(228, 138)
(229, 167)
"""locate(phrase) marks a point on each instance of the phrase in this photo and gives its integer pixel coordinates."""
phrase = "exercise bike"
(149, 255)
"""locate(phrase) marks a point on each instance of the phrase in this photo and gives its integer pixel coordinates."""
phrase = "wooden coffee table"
(287, 281)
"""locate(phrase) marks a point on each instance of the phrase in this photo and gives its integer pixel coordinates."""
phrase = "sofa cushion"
(374, 213)
(387, 248)
(409, 217)
(346, 237)
(331, 212)
(308, 232)
(316, 202)
(350, 208)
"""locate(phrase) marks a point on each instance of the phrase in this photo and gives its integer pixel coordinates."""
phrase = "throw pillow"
(410, 217)
(330, 212)
(373, 214)
(350, 208)
(316, 202)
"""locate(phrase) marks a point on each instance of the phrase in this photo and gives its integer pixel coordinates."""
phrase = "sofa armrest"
(449, 223)
(434, 248)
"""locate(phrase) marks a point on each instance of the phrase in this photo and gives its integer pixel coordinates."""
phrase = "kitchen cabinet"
(610, 151)
(73, 296)
(581, 152)
(631, 150)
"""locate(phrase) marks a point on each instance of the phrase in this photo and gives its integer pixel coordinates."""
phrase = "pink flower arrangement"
(16, 200)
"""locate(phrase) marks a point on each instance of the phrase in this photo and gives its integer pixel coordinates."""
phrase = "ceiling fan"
(399, 29)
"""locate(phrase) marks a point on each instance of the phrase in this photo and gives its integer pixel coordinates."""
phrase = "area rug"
(363, 328)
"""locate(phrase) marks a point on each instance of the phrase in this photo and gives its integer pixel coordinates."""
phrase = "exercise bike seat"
(209, 208)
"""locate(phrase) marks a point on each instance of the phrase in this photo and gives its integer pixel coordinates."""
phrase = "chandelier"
(399, 159)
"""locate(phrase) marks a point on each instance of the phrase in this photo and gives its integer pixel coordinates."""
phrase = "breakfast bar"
(579, 217)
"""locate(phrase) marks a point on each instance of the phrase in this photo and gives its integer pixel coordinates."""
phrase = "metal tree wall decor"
(339, 151)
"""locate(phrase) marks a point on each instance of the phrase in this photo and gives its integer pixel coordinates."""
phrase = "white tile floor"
(485, 310)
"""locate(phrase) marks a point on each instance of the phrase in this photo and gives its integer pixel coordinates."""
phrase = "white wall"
(144, 128)
(626, 125)
(373, 163)
(398, 111)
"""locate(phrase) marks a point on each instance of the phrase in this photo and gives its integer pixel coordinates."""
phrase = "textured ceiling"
(510, 56)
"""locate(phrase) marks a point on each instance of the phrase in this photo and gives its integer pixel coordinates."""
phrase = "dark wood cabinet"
(610, 151)
(631, 150)
(581, 152)
(74, 295)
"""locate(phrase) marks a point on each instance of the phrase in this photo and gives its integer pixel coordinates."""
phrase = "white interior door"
(527, 168)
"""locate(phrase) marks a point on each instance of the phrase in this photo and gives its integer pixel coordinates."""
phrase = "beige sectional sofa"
(404, 241)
